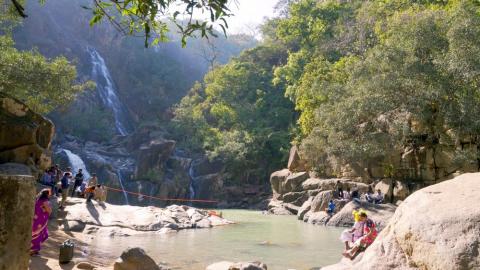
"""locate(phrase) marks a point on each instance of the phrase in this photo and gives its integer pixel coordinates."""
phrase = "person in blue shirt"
(331, 207)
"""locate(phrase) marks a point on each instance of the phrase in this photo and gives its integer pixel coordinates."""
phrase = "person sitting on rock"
(340, 193)
(369, 235)
(90, 193)
(349, 236)
(346, 195)
(100, 194)
(331, 208)
(369, 196)
(379, 197)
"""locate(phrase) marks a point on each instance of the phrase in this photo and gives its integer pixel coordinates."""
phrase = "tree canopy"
(43, 84)
(371, 77)
(152, 18)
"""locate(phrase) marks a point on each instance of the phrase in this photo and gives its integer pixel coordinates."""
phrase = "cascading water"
(77, 163)
(108, 93)
(191, 187)
(120, 180)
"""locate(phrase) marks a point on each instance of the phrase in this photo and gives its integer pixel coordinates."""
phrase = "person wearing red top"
(369, 235)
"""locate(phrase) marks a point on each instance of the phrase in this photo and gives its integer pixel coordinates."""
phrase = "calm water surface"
(282, 242)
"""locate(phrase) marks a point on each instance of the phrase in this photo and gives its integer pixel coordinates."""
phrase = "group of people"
(64, 183)
(360, 236)
(370, 196)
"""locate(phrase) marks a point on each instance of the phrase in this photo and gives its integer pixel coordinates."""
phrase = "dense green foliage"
(43, 84)
(368, 78)
(398, 75)
(238, 115)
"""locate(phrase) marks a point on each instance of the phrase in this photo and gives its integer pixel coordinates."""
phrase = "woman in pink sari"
(40, 221)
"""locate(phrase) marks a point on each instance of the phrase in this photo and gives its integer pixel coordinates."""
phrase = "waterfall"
(120, 180)
(191, 187)
(108, 93)
(77, 163)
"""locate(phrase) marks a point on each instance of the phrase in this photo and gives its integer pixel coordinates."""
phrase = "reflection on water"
(282, 242)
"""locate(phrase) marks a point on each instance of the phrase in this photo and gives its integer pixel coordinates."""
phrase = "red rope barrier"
(161, 199)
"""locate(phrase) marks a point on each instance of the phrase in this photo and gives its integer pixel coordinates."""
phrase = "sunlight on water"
(282, 242)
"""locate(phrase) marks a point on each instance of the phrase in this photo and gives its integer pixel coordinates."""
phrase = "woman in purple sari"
(40, 221)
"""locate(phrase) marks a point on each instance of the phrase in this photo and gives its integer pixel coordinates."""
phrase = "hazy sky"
(249, 14)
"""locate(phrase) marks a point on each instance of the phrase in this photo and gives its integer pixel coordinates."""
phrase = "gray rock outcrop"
(25, 136)
(137, 218)
(16, 215)
(434, 228)
(135, 259)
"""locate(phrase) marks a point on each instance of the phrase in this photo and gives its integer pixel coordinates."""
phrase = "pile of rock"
(303, 194)
(170, 219)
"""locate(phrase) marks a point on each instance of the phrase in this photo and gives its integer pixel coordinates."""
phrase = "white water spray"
(191, 187)
(120, 180)
(77, 163)
(107, 91)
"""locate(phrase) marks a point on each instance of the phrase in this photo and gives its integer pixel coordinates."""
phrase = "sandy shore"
(102, 219)
(48, 258)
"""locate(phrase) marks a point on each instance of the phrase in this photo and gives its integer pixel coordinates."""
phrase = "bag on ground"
(66, 251)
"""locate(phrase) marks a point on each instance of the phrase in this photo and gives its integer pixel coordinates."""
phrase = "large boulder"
(277, 208)
(294, 182)
(16, 212)
(138, 218)
(277, 179)
(135, 259)
(333, 184)
(400, 190)
(380, 213)
(152, 156)
(306, 206)
(296, 198)
(319, 218)
(295, 163)
(434, 228)
(25, 136)
(321, 200)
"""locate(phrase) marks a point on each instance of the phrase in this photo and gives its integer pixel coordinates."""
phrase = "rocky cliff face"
(25, 141)
(145, 163)
(25, 136)
(16, 211)
(435, 228)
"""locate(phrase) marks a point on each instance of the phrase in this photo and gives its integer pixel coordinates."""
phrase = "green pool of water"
(282, 242)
